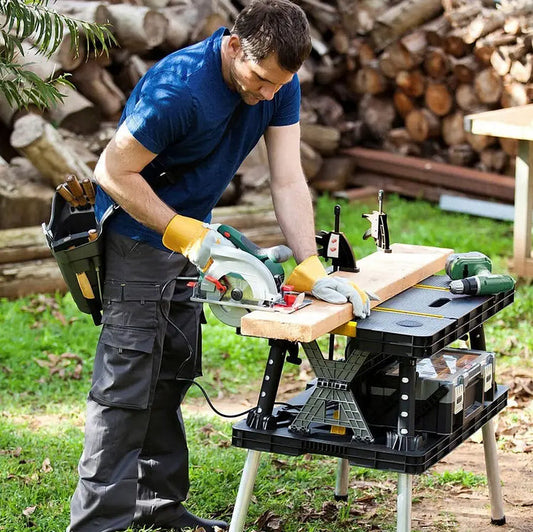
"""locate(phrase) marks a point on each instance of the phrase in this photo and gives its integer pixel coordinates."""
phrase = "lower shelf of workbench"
(376, 455)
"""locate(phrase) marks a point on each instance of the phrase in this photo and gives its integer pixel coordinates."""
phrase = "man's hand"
(194, 239)
(310, 276)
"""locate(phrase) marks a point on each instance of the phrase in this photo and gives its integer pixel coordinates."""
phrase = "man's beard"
(248, 97)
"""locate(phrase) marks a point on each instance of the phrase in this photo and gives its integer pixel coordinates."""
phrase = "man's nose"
(267, 92)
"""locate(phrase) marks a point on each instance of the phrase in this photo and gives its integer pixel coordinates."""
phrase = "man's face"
(257, 81)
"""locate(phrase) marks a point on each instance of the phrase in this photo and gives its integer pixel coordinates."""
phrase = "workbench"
(514, 123)
(418, 322)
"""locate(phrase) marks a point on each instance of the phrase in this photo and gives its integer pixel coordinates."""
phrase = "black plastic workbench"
(417, 323)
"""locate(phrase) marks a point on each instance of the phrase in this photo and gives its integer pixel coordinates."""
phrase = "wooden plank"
(512, 122)
(385, 274)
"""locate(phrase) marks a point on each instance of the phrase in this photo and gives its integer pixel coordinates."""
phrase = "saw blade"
(238, 291)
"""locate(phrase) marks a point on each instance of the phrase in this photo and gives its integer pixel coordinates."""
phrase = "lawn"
(45, 370)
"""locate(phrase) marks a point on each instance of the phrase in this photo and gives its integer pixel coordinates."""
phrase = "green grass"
(46, 354)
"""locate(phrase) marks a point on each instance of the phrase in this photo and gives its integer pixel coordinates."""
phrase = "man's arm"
(290, 193)
(118, 173)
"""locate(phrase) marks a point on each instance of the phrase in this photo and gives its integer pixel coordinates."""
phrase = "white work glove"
(339, 290)
(310, 276)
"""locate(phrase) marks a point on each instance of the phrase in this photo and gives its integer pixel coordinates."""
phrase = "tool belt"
(75, 239)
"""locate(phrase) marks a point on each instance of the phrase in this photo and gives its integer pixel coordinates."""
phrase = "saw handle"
(276, 254)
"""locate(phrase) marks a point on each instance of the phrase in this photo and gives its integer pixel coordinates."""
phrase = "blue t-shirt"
(183, 110)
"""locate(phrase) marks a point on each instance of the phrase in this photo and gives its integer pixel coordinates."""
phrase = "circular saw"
(243, 277)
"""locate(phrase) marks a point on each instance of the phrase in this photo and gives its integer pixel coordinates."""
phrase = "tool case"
(451, 386)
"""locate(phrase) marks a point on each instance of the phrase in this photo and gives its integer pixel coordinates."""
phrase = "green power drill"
(471, 274)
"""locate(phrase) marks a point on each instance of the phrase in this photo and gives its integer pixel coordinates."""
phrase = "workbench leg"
(493, 474)
(246, 488)
(477, 341)
(341, 484)
(523, 205)
(403, 502)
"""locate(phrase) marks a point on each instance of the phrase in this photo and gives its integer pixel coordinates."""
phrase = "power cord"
(191, 352)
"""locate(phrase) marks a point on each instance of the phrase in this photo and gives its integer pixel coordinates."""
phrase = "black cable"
(191, 352)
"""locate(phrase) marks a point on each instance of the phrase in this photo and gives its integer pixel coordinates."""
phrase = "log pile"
(401, 76)
(396, 75)
(391, 75)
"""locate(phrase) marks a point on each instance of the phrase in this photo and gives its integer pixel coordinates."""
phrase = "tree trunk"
(97, 84)
(137, 28)
(453, 131)
(401, 18)
(422, 124)
(438, 99)
(488, 86)
(75, 113)
(37, 140)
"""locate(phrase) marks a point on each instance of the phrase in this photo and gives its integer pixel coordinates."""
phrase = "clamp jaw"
(379, 229)
(334, 246)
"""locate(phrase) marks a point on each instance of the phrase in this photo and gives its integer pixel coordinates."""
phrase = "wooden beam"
(430, 172)
(385, 274)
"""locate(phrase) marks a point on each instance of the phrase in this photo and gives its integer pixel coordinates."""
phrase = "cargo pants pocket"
(123, 367)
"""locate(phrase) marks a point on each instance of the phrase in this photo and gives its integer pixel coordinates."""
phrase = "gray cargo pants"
(134, 465)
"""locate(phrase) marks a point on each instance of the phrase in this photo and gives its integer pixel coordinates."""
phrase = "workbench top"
(511, 122)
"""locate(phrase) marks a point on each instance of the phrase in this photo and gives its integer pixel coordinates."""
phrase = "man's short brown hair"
(274, 26)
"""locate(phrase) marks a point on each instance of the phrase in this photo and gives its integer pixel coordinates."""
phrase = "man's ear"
(234, 45)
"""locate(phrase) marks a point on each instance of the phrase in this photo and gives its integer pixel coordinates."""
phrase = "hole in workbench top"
(409, 323)
(440, 302)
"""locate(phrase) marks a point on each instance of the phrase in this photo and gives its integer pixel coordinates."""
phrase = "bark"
(401, 18)
(137, 28)
(378, 114)
(32, 277)
(75, 113)
(97, 85)
(322, 138)
(22, 244)
(23, 201)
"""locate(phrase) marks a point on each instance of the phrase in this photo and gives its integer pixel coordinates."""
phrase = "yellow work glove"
(194, 239)
(310, 276)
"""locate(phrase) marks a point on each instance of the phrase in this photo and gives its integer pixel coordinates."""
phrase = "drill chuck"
(481, 285)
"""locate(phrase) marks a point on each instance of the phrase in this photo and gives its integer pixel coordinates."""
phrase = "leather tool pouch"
(80, 260)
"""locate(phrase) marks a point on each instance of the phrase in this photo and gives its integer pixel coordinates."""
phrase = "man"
(185, 130)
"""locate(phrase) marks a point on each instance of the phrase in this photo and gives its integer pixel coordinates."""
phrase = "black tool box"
(451, 386)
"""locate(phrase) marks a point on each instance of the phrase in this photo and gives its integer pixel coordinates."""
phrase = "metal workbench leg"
(497, 515)
(246, 488)
(341, 484)
(403, 502)
(477, 341)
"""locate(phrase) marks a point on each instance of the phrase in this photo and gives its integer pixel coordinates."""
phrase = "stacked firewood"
(401, 76)
(383, 74)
